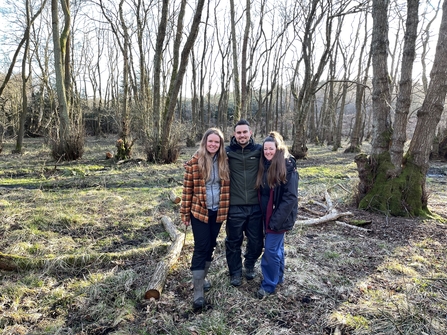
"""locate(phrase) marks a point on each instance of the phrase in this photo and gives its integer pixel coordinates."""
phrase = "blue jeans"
(205, 240)
(272, 262)
(242, 220)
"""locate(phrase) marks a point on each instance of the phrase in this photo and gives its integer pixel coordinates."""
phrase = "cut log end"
(174, 198)
(155, 294)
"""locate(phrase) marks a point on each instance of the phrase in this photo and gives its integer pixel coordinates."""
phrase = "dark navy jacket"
(281, 209)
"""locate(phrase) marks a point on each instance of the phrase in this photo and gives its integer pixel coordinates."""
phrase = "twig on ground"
(344, 224)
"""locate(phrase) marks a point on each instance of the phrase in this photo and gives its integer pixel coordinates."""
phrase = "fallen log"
(174, 198)
(158, 279)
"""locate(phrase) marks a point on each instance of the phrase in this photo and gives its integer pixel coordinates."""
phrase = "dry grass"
(91, 235)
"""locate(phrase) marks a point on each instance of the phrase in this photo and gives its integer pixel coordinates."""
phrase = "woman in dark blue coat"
(277, 184)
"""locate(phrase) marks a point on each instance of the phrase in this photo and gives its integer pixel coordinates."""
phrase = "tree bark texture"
(158, 57)
(244, 88)
(404, 194)
(165, 153)
(236, 90)
(381, 127)
(312, 74)
(125, 152)
(433, 105)
(59, 42)
(405, 87)
(362, 78)
(25, 77)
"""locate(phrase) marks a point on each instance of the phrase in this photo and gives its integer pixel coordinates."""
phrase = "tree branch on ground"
(158, 280)
(331, 213)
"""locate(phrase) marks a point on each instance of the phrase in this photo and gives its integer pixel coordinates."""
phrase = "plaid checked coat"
(194, 195)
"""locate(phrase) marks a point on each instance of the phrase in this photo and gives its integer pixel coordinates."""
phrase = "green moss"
(351, 321)
(399, 196)
(359, 222)
(331, 255)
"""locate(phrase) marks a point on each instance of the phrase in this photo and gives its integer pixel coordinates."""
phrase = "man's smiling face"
(242, 133)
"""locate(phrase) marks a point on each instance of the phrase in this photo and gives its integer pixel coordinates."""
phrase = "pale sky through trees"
(87, 22)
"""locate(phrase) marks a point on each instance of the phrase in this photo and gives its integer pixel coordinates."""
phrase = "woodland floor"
(389, 278)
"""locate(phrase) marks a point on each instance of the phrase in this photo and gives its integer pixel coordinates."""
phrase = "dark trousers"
(243, 220)
(205, 240)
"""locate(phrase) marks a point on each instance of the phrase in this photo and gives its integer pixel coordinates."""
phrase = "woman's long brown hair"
(277, 171)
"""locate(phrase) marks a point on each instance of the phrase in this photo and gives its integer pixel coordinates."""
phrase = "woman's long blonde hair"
(277, 171)
(206, 160)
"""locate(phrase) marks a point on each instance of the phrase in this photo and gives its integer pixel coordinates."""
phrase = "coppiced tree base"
(403, 195)
(165, 151)
(69, 149)
(299, 152)
(156, 154)
(190, 142)
(352, 149)
(124, 149)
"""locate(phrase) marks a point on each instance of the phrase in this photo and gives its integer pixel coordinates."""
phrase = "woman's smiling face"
(269, 150)
(212, 144)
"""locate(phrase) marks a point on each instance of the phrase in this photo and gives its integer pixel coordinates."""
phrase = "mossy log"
(158, 279)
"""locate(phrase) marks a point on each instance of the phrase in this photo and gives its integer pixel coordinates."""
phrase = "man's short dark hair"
(242, 122)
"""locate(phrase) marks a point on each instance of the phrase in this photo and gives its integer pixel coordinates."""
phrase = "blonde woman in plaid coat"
(205, 203)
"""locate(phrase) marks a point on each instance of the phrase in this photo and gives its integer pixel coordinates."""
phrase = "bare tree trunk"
(25, 40)
(381, 127)
(124, 148)
(158, 56)
(433, 105)
(195, 114)
(425, 37)
(59, 42)
(168, 154)
(312, 74)
(339, 126)
(362, 78)
(237, 95)
(347, 63)
(330, 104)
(206, 118)
(405, 88)
(144, 90)
(22, 116)
(244, 88)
